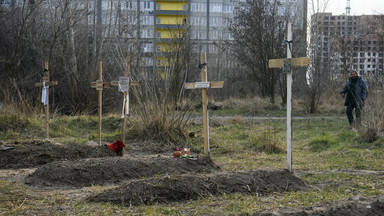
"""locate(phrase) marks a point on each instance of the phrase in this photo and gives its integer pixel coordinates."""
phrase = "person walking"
(355, 93)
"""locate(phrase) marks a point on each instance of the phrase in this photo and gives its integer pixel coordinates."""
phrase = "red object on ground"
(116, 146)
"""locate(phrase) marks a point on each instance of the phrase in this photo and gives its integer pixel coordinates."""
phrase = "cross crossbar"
(295, 62)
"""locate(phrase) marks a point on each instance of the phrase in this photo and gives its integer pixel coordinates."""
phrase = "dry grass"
(373, 115)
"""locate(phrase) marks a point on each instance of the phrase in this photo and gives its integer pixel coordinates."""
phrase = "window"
(215, 7)
(193, 34)
(147, 47)
(146, 20)
(158, 7)
(185, 7)
(147, 33)
(215, 21)
(198, 7)
(280, 11)
(214, 35)
(158, 34)
(5, 2)
(228, 8)
(158, 20)
(146, 6)
(158, 48)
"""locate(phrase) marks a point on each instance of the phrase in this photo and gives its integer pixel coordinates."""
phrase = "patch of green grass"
(18, 128)
(322, 143)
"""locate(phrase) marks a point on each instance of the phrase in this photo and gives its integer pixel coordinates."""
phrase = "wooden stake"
(100, 97)
(289, 101)
(46, 81)
(204, 85)
(99, 85)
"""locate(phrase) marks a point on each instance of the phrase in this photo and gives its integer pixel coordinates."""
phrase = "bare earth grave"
(149, 174)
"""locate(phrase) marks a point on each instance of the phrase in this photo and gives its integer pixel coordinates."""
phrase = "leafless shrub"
(373, 115)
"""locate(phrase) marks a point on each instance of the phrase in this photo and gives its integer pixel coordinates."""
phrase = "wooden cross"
(100, 85)
(287, 64)
(204, 85)
(124, 84)
(45, 83)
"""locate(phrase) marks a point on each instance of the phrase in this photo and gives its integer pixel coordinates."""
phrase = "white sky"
(358, 7)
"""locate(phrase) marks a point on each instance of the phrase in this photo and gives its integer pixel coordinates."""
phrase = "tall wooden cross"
(100, 85)
(124, 84)
(204, 85)
(287, 64)
(45, 83)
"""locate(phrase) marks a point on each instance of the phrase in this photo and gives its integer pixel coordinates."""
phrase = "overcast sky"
(358, 7)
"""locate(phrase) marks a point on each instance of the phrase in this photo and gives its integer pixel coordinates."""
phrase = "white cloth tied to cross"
(44, 94)
(125, 103)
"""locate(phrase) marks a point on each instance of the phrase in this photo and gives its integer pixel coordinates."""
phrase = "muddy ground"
(148, 173)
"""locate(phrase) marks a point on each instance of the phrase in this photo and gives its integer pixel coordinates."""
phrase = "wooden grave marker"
(287, 64)
(204, 85)
(45, 83)
(124, 85)
(100, 85)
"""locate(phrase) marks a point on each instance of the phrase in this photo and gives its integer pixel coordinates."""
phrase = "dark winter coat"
(361, 91)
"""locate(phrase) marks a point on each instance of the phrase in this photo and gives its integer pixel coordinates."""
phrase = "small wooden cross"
(124, 85)
(287, 64)
(45, 83)
(204, 85)
(100, 85)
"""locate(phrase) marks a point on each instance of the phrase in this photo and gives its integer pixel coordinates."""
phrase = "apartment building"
(352, 42)
(152, 24)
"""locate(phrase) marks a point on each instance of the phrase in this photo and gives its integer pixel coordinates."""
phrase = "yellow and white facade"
(171, 18)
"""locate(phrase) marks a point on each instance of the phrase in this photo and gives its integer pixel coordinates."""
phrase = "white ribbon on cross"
(125, 103)
(44, 94)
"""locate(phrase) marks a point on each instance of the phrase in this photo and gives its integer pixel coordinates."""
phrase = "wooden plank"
(295, 62)
(104, 85)
(189, 85)
(217, 84)
(50, 83)
(134, 83)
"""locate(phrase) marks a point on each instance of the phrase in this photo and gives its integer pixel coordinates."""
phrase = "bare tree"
(259, 31)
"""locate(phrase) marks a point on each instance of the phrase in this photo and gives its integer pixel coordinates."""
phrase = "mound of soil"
(112, 170)
(348, 207)
(33, 153)
(186, 187)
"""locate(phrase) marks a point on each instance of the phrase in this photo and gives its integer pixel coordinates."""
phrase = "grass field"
(337, 162)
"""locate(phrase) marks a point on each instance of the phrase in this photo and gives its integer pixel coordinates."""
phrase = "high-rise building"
(352, 43)
(152, 25)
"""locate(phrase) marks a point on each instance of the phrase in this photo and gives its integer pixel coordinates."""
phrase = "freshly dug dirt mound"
(112, 170)
(350, 207)
(185, 187)
(34, 153)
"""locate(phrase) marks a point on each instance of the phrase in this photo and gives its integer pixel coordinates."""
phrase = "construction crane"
(347, 17)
